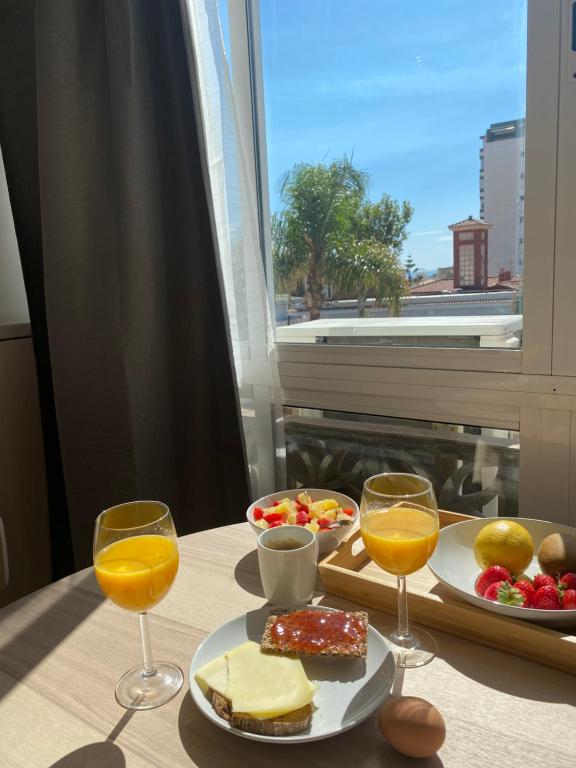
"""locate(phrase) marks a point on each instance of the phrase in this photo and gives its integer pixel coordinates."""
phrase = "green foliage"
(330, 233)
(385, 221)
(368, 266)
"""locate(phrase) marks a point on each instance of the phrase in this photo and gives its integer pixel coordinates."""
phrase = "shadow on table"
(492, 668)
(46, 631)
(505, 672)
(103, 753)
(209, 746)
(247, 574)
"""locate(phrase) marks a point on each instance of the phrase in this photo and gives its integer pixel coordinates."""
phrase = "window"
(474, 470)
(466, 264)
(468, 371)
(425, 110)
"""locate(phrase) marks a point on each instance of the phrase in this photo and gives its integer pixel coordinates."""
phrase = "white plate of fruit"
(518, 567)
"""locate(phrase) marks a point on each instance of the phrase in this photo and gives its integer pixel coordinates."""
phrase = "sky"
(405, 87)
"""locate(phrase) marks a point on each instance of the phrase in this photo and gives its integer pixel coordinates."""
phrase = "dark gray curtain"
(104, 162)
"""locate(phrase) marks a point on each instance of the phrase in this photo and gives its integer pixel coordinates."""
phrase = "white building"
(502, 194)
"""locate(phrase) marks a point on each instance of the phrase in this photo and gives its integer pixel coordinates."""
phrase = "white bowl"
(453, 564)
(327, 540)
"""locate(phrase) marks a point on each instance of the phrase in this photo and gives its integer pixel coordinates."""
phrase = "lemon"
(504, 542)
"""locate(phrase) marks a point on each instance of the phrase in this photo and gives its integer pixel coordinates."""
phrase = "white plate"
(453, 564)
(349, 690)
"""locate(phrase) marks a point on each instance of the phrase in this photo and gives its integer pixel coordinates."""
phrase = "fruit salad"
(318, 516)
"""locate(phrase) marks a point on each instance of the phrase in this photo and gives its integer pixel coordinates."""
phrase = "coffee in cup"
(287, 556)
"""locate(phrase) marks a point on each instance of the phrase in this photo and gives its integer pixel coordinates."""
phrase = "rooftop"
(510, 129)
(493, 283)
(470, 223)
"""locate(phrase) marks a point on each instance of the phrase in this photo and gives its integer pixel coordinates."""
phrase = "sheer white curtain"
(234, 202)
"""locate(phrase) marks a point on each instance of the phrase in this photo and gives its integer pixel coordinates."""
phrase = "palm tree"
(329, 233)
(320, 202)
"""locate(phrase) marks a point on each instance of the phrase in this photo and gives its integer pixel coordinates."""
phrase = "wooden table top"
(62, 650)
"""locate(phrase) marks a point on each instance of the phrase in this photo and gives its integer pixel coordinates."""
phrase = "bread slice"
(285, 725)
(346, 647)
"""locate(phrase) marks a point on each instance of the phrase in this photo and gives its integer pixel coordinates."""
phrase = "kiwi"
(557, 554)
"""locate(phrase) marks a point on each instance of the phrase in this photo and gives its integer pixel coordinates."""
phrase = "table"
(63, 648)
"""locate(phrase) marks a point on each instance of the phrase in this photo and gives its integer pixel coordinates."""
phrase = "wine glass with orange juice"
(399, 526)
(135, 560)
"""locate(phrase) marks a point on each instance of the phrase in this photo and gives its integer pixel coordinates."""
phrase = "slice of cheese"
(258, 684)
(213, 675)
(264, 685)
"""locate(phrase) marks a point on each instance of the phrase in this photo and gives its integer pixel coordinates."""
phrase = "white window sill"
(500, 331)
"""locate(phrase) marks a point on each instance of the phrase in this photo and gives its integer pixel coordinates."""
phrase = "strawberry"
(525, 586)
(274, 517)
(275, 524)
(546, 598)
(568, 580)
(349, 512)
(258, 513)
(543, 580)
(492, 591)
(569, 600)
(276, 503)
(302, 518)
(508, 595)
(324, 522)
(489, 576)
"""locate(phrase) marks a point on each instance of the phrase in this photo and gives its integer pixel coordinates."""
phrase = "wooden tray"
(349, 572)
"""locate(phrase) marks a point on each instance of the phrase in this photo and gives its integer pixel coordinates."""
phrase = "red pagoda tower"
(470, 253)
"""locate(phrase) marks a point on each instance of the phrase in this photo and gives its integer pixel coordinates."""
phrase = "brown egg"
(411, 725)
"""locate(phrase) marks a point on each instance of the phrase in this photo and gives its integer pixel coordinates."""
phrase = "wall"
(502, 206)
(24, 506)
(13, 305)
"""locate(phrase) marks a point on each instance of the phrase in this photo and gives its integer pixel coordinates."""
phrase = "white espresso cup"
(288, 574)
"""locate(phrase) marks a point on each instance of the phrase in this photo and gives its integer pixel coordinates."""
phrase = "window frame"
(542, 108)
(541, 161)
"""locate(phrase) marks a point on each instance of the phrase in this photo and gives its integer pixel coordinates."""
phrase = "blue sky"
(407, 87)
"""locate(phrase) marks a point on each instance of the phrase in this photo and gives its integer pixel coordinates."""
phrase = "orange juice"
(136, 572)
(400, 539)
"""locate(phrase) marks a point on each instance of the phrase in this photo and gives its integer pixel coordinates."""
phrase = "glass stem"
(149, 668)
(403, 630)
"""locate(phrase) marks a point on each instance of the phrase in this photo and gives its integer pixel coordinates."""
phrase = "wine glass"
(399, 526)
(135, 560)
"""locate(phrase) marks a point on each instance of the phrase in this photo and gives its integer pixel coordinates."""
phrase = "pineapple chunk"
(283, 508)
(316, 510)
(261, 523)
(312, 526)
(330, 514)
(327, 504)
(291, 519)
(303, 498)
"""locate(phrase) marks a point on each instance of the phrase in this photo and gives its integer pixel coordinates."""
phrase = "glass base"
(415, 649)
(135, 690)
